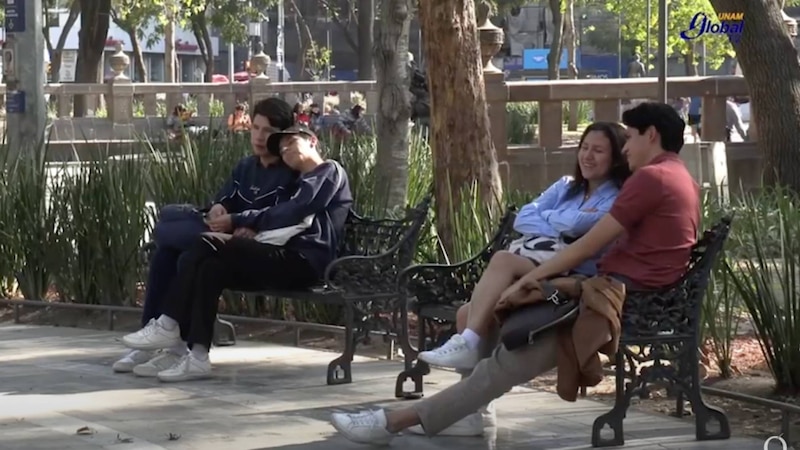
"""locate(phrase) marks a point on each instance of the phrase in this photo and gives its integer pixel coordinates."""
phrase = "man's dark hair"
(663, 118)
(278, 112)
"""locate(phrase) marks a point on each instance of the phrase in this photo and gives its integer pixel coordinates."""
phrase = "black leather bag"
(525, 324)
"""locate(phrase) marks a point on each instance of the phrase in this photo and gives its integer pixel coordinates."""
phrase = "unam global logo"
(730, 24)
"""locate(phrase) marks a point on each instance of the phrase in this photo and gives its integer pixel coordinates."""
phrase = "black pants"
(239, 264)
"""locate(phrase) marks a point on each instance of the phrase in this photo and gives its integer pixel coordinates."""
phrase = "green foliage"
(635, 26)
(765, 271)
(523, 118)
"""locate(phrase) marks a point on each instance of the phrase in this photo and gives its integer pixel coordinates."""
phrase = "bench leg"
(711, 423)
(224, 333)
(413, 371)
(344, 363)
(616, 416)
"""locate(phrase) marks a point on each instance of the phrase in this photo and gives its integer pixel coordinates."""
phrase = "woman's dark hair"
(619, 171)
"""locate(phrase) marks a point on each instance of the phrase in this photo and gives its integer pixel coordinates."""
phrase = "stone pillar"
(120, 103)
(259, 85)
(491, 40)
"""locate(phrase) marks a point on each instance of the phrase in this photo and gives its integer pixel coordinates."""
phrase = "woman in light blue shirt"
(559, 216)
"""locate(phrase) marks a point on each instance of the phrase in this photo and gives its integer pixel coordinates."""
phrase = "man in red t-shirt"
(651, 229)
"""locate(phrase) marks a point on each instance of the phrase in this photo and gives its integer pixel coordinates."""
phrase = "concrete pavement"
(55, 381)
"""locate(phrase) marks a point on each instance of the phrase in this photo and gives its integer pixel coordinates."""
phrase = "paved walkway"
(54, 381)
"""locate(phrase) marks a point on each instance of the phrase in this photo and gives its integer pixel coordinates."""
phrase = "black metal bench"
(658, 327)
(363, 280)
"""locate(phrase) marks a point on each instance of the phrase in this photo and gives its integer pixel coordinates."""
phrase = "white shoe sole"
(184, 377)
(151, 346)
(450, 366)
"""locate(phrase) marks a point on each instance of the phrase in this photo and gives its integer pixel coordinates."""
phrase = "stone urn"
(491, 37)
(119, 62)
(260, 61)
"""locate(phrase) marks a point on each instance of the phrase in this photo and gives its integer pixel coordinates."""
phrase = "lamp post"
(279, 44)
(663, 13)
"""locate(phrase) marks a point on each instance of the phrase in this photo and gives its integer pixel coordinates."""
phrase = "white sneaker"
(474, 424)
(161, 361)
(153, 337)
(187, 368)
(454, 353)
(131, 359)
(365, 427)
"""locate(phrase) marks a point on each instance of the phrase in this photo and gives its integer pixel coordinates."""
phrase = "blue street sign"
(15, 16)
(15, 102)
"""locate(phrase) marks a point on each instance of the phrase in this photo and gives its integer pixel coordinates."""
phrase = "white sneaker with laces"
(153, 337)
(454, 353)
(131, 359)
(187, 368)
(474, 424)
(365, 427)
(161, 361)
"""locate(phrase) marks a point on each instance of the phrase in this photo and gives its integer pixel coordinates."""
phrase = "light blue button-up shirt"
(554, 214)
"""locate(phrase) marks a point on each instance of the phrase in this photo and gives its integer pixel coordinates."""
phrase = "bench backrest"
(675, 310)
(369, 237)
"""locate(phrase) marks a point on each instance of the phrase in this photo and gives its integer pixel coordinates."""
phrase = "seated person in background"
(255, 183)
(176, 122)
(291, 245)
(559, 216)
(239, 121)
(652, 224)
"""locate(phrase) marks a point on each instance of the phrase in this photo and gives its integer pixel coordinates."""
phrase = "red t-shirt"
(659, 206)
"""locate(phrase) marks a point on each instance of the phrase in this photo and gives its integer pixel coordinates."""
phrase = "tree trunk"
(394, 108)
(569, 39)
(306, 41)
(463, 151)
(770, 66)
(95, 18)
(138, 57)
(170, 72)
(689, 62)
(557, 43)
(56, 52)
(203, 38)
(366, 38)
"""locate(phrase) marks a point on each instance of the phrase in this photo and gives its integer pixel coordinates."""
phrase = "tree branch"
(342, 26)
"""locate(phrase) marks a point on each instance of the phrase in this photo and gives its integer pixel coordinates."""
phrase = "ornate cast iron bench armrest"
(372, 274)
(452, 284)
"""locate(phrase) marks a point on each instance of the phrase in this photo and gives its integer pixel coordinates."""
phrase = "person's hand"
(519, 290)
(216, 211)
(245, 233)
(223, 223)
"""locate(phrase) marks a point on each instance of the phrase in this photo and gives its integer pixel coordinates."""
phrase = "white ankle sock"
(167, 322)
(472, 338)
(200, 352)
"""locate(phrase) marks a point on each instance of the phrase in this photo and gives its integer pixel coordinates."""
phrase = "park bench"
(658, 327)
(362, 280)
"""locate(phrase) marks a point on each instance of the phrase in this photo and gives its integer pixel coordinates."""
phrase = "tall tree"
(55, 51)
(463, 151)
(768, 58)
(95, 18)
(393, 109)
(366, 36)
(557, 41)
(130, 15)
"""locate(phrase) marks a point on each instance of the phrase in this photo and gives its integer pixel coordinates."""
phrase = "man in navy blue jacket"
(294, 242)
(256, 182)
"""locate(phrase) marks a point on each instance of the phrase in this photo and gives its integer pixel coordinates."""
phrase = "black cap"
(274, 141)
